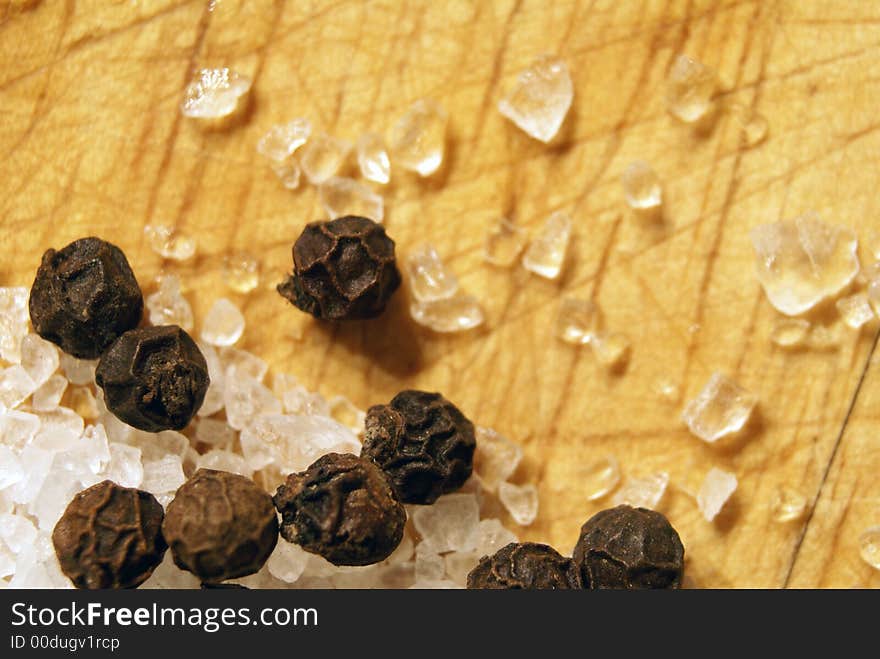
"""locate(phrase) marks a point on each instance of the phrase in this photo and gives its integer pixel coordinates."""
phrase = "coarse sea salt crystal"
(282, 140)
(293, 442)
(225, 461)
(341, 196)
(854, 309)
(803, 261)
(641, 186)
(459, 564)
(577, 321)
(600, 477)
(690, 88)
(17, 429)
(540, 99)
(245, 399)
(720, 409)
(241, 362)
(288, 172)
(48, 396)
(296, 399)
(15, 386)
(39, 358)
(429, 278)
(610, 348)
(215, 433)
(715, 491)
(125, 467)
(504, 243)
(787, 505)
(214, 93)
(347, 413)
(869, 546)
(241, 272)
(546, 253)
(322, 157)
(450, 524)
(495, 458)
(417, 140)
(13, 321)
(213, 402)
(163, 475)
(287, 562)
(78, 371)
(168, 243)
(167, 306)
(429, 564)
(454, 314)
(372, 157)
(223, 324)
(492, 536)
(38, 463)
(643, 492)
(11, 470)
(521, 501)
(790, 332)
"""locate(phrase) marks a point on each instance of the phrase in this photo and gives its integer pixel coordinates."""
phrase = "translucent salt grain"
(347, 413)
(241, 272)
(753, 126)
(11, 470)
(429, 278)
(610, 348)
(455, 314)
(341, 196)
(288, 172)
(39, 358)
(225, 461)
(223, 324)
(215, 433)
(62, 420)
(600, 477)
(296, 399)
(17, 532)
(323, 156)
(715, 491)
(167, 306)
(417, 140)
(790, 332)
(576, 321)
(641, 186)
(787, 505)
(15, 386)
(372, 157)
(213, 402)
(495, 458)
(14, 317)
(504, 243)
(38, 463)
(282, 140)
(164, 475)
(643, 492)
(801, 262)
(540, 99)
(293, 442)
(450, 524)
(546, 253)
(521, 501)
(855, 310)
(429, 564)
(492, 536)
(125, 466)
(165, 241)
(241, 362)
(214, 93)
(245, 399)
(869, 547)
(78, 371)
(18, 428)
(459, 564)
(287, 562)
(720, 409)
(690, 87)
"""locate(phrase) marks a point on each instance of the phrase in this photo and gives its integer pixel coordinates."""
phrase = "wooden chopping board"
(92, 142)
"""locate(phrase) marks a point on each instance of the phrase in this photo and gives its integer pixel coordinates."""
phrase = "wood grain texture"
(92, 142)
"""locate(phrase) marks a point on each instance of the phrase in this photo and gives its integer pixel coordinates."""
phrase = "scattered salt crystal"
(59, 487)
(288, 172)
(754, 126)
(294, 442)
(492, 536)
(282, 140)
(164, 475)
(458, 564)
(599, 477)
(84, 403)
(341, 196)
(644, 492)
(245, 399)
(15, 386)
(213, 402)
(17, 429)
(296, 399)
(347, 413)
(801, 262)
(720, 409)
(39, 358)
(540, 99)
(610, 348)
(521, 501)
(404, 551)
(323, 156)
(429, 563)
(214, 93)
(11, 470)
(787, 505)
(225, 461)
(241, 362)
(61, 420)
(689, 89)
(790, 332)
(824, 337)
(49, 395)
(577, 321)
(223, 324)
(641, 186)
(165, 241)
(429, 278)
(167, 306)
(495, 458)
(504, 243)
(869, 547)
(287, 562)
(13, 321)
(125, 466)
(455, 314)
(17, 533)
(214, 433)
(855, 310)
(241, 272)
(155, 446)
(546, 253)
(418, 139)
(450, 524)
(372, 157)
(78, 371)
(38, 463)
(716, 490)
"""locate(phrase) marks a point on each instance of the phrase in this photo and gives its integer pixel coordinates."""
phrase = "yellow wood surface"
(92, 142)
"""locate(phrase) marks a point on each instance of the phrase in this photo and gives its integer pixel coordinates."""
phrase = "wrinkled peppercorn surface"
(110, 537)
(154, 378)
(342, 508)
(220, 526)
(629, 548)
(84, 296)
(423, 442)
(524, 566)
(343, 269)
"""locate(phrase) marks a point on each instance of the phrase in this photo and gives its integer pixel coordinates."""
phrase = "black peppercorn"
(342, 508)
(84, 296)
(110, 537)
(220, 526)
(629, 548)
(524, 566)
(343, 269)
(154, 378)
(424, 444)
